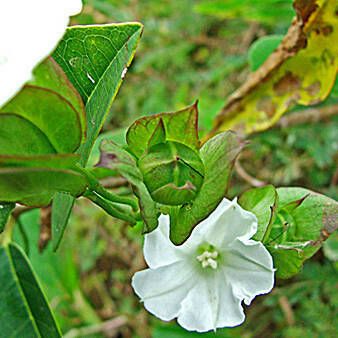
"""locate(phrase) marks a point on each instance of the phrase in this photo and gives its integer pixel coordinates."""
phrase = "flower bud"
(172, 172)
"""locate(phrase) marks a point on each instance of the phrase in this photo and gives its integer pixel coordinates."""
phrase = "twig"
(104, 327)
(287, 310)
(247, 177)
(45, 227)
(248, 37)
(20, 209)
(307, 116)
(334, 179)
(114, 182)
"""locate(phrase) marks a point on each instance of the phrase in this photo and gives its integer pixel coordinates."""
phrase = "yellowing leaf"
(301, 71)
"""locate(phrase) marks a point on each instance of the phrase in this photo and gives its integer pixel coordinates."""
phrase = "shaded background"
(192, 50)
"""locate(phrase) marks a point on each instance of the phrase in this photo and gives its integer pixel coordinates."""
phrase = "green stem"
(109, 208)
(98, 189)
(6, 236)
(24, 236)
(116, 198)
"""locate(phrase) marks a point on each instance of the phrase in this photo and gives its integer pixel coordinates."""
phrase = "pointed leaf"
(61, 210)
(94, 59)
(21, 292)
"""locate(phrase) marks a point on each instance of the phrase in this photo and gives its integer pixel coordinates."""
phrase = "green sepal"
(302, 221)
(180, 126)
(159, 135)
(218, 156)
(263, 203)
(119, 159)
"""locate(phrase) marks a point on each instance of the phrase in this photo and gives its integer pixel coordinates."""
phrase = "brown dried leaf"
(302, 70)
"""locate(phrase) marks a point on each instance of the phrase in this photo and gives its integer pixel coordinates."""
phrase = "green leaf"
(267, 11)
(36, 186)
(48, 74)
(61, 210)
(180, 126)
(49, 112)
(19, 136)
(58, 273)
(304, 220)
(5, 211)
(95, 58)
(218, 156)
(116, 158)
(263, 203)
(54, 161)
(24, 309)
(261, 49)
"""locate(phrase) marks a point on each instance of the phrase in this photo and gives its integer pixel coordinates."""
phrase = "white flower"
(30, 30)
(204, 281)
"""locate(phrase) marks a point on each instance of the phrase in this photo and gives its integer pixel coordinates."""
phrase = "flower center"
(208, 257)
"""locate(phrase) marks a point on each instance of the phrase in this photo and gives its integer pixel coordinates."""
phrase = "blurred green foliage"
(192, 50)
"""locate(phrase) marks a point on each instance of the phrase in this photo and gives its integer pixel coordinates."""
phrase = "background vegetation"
(193, 50)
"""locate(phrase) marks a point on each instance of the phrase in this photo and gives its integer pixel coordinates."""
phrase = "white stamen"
(208, 258)
(212, 263)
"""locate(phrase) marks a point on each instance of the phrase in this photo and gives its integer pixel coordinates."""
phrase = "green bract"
(174, 175)
(293, 223)
(172, 172)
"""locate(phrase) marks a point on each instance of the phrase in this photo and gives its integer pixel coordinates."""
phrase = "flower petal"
(249, 267)
(227, 222)
(158, 249)
(38, 26)
(211, 304)
(162, 290)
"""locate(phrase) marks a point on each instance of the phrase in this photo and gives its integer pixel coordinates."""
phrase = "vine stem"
(6, 236)
(104, 327)
(109, 208)
(96, 188)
